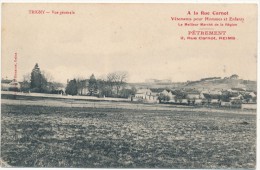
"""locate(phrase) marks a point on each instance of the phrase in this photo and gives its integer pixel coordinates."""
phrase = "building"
(234, 77)
(10, 85)
(168, 93)
(194, 95)
(145, 95)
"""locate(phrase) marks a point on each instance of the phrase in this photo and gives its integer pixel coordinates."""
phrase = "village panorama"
(211, 91)
(109, 122)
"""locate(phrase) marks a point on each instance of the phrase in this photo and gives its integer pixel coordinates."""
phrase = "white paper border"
(152, 1)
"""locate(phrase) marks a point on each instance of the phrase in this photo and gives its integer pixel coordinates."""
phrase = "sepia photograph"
(129, 85)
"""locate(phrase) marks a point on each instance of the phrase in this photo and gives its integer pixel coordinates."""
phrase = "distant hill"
(224, 84)
(155, 85)
(206, 83)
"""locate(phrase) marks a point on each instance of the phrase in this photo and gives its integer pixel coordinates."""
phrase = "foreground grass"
(41, 136)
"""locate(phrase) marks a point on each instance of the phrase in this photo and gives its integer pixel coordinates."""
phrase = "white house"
(146, 95)
(7, 85)
(168, 93)
(239, 97)
(252, 94)
(194, 95)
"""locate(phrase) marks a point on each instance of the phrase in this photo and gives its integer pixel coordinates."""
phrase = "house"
(145, 95)
(225, 104)
(193, 94)
(234, 77)
(238, 89)
(212, 96)
(156, 91)
(252, 94)
(233, 92)
(168, 93)
(10, 85)
(5, 84)
(239, 97)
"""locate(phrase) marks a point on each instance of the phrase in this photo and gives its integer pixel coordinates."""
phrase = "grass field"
(55, 136)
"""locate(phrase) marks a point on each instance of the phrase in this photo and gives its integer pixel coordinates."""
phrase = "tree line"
(113, 85)
(40, 82)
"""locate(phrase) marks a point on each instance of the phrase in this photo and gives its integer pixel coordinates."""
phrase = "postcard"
(129, 85)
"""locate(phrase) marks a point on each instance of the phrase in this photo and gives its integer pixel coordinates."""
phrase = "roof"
(238, 89)
(211, 96)
(142, 91)
(193, 92)
(157, 90)
(6, 81)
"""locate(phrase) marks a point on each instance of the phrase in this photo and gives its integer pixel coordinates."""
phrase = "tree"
(104, 88)
(92, 85)
(120, 80)
(25, 84)
(27, 78)
(225, 96)
(72, 88)
(47, 76)
(81, 85)
(179, 95)
(163, 97)
(117, 80)
(111, 78)
(125, 93)
(55, 88)
(247, 97)
(38, 81)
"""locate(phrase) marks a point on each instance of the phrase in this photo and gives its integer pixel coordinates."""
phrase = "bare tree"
(121, 79)
(27, 77)
(111, 78)
(25, 84)
(81, 85)
(47, 76)
(117, 79)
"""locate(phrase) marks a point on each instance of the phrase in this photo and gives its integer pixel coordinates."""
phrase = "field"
(120, 135)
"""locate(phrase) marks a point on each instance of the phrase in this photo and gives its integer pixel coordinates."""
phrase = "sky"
(140, 39)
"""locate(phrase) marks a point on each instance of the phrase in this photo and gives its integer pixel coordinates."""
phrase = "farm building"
(194, 95)
(234, 77)
(146, 95)
(10, 85)
(252, 94)
(238, 89)
(168, 93)
(156, 91)
(239, 97)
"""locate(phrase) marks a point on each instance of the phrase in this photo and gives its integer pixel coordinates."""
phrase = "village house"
(249, 97)
(212, 96)
(192, 95)
(238, 89)
(156, 91)
(145, 95)
(168, 93)
(252, 94)
(10, 85)
(234, 77)
(239, 97)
